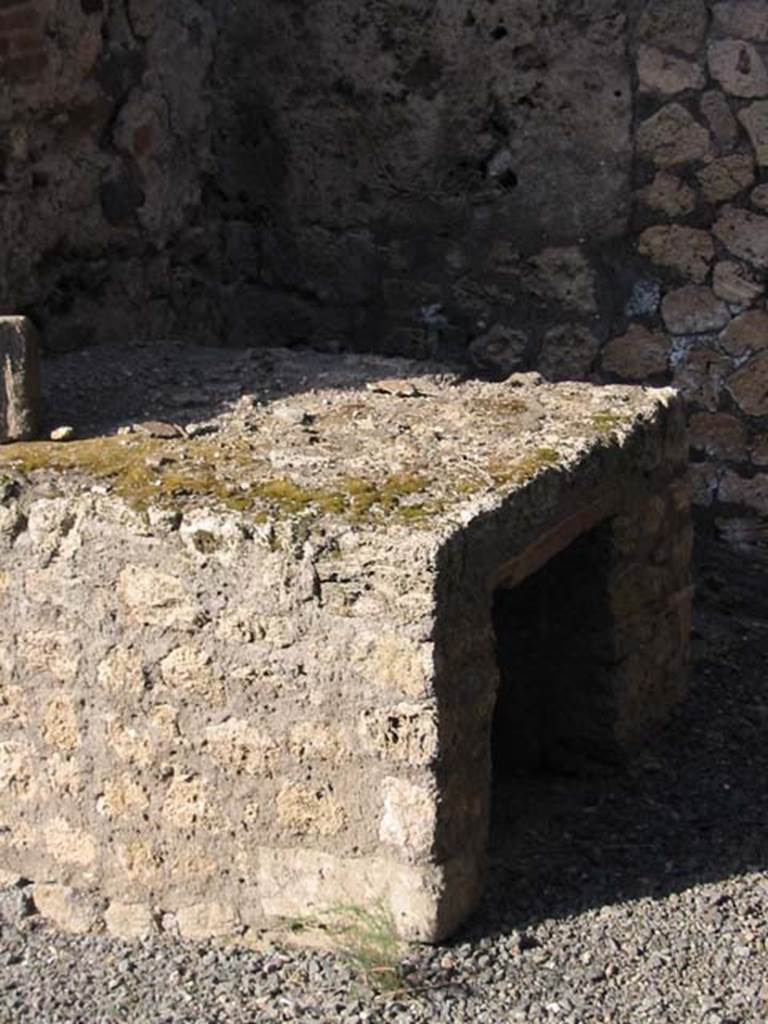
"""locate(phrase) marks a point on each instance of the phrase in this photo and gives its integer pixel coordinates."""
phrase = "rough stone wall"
(700, 226)
(575, 187)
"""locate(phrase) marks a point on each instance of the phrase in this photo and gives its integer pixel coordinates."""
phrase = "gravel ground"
(625, 896)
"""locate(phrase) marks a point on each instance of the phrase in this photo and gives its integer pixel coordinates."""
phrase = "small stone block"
(20, 381)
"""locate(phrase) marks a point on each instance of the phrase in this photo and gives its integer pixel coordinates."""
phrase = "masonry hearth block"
(250, 673)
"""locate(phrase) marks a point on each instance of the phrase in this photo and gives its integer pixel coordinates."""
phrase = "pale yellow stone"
(11, 697)
(410, 817)
(237, 627)
(401, 733)
(318, 741)
(50, 651)
(191, 865)
(17, 758)
(189, 669)
(70, 845)
(5, 581)
(129, 921)
(128, 744)
(276, 630)
(298, 883)
(396, 664)
(164, 721)
(309, 810)
(185, 802)
(207, 920)
(69, 910)
(121, 673)
(140, 861)
(154, 598)
(59, 723)
(64, 775)
(237, 747)
(123, 797)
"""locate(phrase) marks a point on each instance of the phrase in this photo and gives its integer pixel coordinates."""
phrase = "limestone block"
(759, 453)
(318, 741)
(50, 651)
(124, 797)
(17, 773)
(69, 844)
(664, 73)
(129, 921)
(296, 883)
(401, 733)
(759, 198)
(722, 123)
(747, 333)
(186, 801)
(689, 251)
(207, 920)
(155, 598)
(745, 234)
(567, 352)
(738, 67)
(391, 663)
(751, 492)
(733, 283)
(693, 310)
(239, 747)
(69, 910)
(718, 435)
(726, 177)
(410, 814)
(638, 354)
(672, 136)
(189, 669)
(746, 19)
(499, 349)
(565, 275)
(59, 725)
(121, 673)
(749, 386)
(700, 374)
(309, 810)
(669, 195)
(755, 119)
(674, 24)
(20, 384)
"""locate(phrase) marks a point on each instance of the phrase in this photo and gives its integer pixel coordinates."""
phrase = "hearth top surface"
(275, 433)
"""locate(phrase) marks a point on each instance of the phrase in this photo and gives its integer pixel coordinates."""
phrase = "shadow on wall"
(691, 808)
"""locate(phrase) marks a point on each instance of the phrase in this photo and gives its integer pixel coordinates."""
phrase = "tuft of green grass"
(526, 468)
(606, 422)
(368, 939)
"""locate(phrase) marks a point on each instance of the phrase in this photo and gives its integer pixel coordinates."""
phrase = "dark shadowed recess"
(690, 807)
